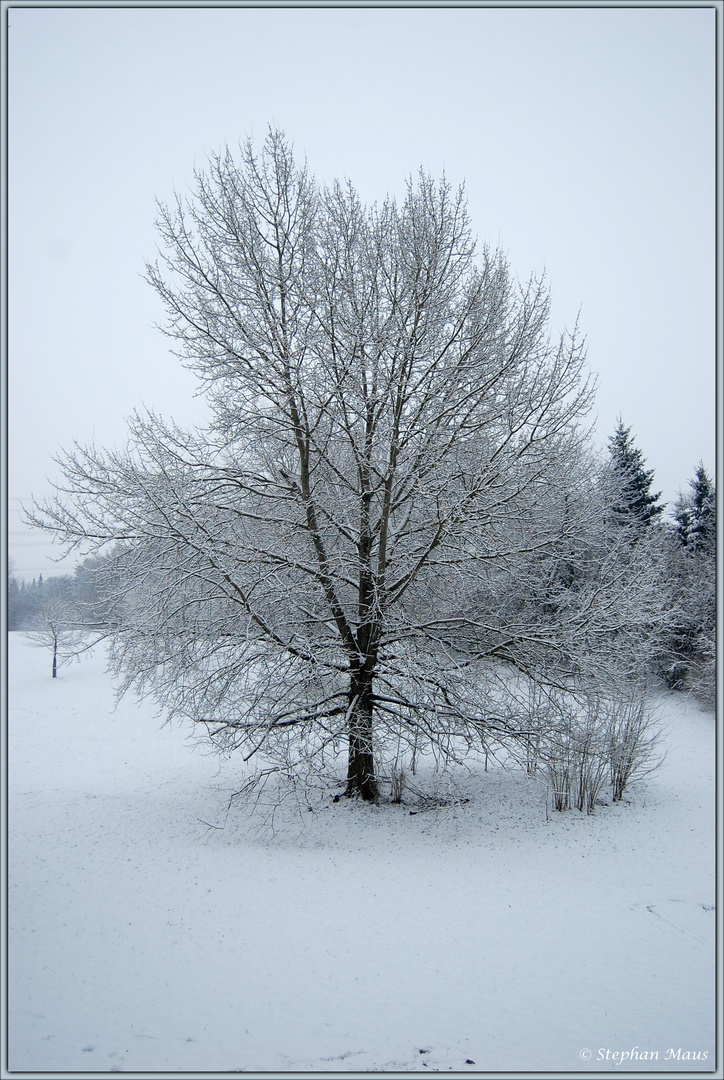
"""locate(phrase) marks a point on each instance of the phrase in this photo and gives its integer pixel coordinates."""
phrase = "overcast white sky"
(586, 138)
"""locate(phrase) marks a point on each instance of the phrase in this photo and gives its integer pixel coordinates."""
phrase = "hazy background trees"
(81, 593)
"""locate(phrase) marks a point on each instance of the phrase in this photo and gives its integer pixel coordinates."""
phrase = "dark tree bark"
(361, 766)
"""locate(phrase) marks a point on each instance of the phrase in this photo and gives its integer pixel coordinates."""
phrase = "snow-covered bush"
(572, 751)
(581, 740)
(633, 741)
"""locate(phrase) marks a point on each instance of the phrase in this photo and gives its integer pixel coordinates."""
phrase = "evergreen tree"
(695, 514)
(636, 503)
(689, 660)
(682, 518)
(702, 531)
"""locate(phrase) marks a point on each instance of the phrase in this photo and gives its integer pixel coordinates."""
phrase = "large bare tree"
(395, 444)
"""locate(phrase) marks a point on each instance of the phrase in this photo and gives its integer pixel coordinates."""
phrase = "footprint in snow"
(682, 916)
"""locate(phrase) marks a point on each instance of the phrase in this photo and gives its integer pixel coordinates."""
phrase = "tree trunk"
(361, 767)
(55, 658)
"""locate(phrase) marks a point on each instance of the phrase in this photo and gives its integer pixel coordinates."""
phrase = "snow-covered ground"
(151, 931)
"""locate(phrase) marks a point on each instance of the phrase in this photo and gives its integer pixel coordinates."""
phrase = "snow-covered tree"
(700, 534)
(688, 660)
(637, 504)
(682, 519)
(382, 511)
(55, 624)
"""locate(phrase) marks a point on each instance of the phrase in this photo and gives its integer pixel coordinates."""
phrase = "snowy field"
(150, 931)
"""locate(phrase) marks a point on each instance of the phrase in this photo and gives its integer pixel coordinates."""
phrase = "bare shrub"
(573, 752)
(634, 743)
(398, 783)
(582, 739)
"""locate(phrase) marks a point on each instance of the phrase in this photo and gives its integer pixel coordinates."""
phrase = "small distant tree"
(637, 505)
(54, 623)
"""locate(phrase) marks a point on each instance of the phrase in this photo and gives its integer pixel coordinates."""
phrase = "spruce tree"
(702, 530)
(636, 504)
(682, 517)
(690, 654)
(695, 514)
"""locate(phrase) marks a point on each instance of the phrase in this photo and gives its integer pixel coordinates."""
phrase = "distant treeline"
(75, 594)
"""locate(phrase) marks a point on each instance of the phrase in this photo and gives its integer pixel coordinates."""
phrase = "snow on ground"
(151, 931)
